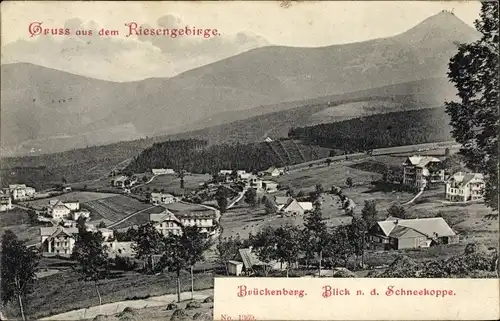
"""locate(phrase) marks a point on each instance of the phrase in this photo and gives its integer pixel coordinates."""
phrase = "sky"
(242, 25)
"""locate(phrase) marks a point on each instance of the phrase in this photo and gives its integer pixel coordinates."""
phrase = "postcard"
(249, 160)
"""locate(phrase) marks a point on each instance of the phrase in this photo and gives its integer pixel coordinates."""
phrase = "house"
(5, 202)
(270, 186)
(66, 189)
(268, 139)
(225, 172)
(204, 217)
(394, 233)
(235, 267)
(72, 205)
(289, 205)
(245, 176)
(255, 182)
(465, 187)
(246, 262)
(418, 170)
(273, 171)
(166, 223)
(81, 213)
(163, 171)
(58, 210)
(58, 240)
(162, 198)
(21, 192)
(120, 181)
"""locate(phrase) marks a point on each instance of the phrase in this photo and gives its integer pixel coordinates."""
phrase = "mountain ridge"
(35, 99)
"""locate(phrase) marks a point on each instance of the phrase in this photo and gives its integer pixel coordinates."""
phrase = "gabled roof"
(282, 200)
(53, 231)
(58, 204)
(164, 216)
(465, 178)
(292, 205)
(162, 194)
(249, 259)
(426, 226)
(405, 232)
(421, 161)
(306, 206)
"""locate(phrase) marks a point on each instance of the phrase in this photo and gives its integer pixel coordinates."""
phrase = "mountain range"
(47, 110)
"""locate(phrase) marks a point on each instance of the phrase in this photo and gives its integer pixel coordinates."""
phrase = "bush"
(193, 305)
(124, 263)
(202, 316)
(179, 315)
(208, 299)
(172, 306)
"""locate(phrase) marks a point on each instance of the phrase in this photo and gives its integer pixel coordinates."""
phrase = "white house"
(21, 192)
(57, 240)
(162, 198)
(163, 171)
(5, 202)
(289, 205)
(166, 223)
(273, 171)
(72, 205)
(225, 172)
(58, 210)
(81, 213)
(465, 187)
(418, 170)
(235, 267)
(120, 181)
(270, 186)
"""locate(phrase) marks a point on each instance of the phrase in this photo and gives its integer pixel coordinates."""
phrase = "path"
(238, 198)
(145, 183)
(415, 197)
(129, 216)
(116, 307)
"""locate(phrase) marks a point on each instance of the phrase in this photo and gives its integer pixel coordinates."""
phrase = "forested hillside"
(187, 155)
(379, 131)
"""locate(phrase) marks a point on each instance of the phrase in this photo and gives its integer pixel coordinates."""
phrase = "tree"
(263, 244)
(328, 161)
(396, 210)
(369, 213)
(251, 197)
(349, 182)
(269, 207)
(474, 118)
(175, 257)
(18, 270)
(358, 230)
(341, 244)
(315, 233)
(64, 181)
(319, 189)
(101, 224)
(221, 197)
(195, 244)
(147, 241)
(227, 249)
(288, 244)
(92, 257)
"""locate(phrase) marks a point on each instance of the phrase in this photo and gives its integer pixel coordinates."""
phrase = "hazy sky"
(243, 25)
(311, 23)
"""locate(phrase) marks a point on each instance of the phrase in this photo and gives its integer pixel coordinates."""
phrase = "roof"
(307, 206)
(162, 194)
(234, 262)
(292, 205)
(421, 161)
(54, 230)
(249, 259)
(15, 186)
(120, 178)
(425, 226)
(405, 232)
(57, 204)
(282, 200)
(188, 210)
(165, 216)
(465, 178)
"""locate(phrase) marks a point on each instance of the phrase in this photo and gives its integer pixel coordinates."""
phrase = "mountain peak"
(441, 26)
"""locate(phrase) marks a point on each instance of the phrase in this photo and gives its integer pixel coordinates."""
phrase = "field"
(82, 197)
(17, 221)
(63, 292)
(115, 208)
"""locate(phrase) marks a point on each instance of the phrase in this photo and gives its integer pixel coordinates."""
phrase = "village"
(234, 204)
